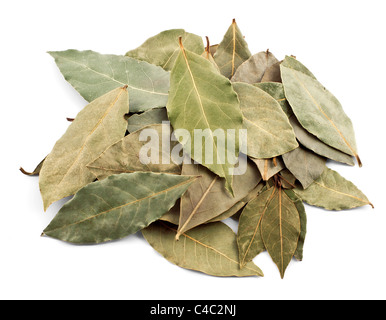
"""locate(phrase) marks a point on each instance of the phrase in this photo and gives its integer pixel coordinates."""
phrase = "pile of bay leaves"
(173, 83)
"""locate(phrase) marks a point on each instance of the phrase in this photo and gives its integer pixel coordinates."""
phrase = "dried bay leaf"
(311, 142)
(162, 49)
(207, 198)
(280, 228)
(249, 240)
(96, 127)
(210, 248)
(202, 99)
(93, 74)
(232, 51)
(333, 192)
(268, 168)
(276, 90)
(272, 74)
(239, 205)
(253, 70)
(117, 207)
(305, 165)
(269, 131)
(303, 222)
(123, 156)
(317, 110)
(152, 116)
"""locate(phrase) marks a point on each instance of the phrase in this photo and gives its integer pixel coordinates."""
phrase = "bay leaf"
(333, 192)
(267, 167)
(272, 74)
(303, 223)
(249, 240)
(207, 198)
(239, 205)
(317, 110)
(276, 90)
(232, 51)
(93, 74)
(117, 207)
(280, 229)
(96, 127)
(36, 171)
(311, 142)
(269, 132)
(253, 70)
(123, 156)
(152, 116)
(173, 215)
(162, 49)
(305, 165)
(210, 248)
(202, 100)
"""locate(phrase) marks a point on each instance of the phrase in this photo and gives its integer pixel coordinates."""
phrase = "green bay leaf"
(305, 165)
(311, 142)
(317, 110)
(162, 49)
(210, 248)
(280, 229)
(96, 127)
(202, 99)
(249, 240)
(333, 192)
(276, 90)
(117, 207)
(303, 222)
(232, 51)
(93, 74)
(124, 156)
(269, 133)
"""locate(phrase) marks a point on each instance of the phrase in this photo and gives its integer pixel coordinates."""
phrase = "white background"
(342, 42)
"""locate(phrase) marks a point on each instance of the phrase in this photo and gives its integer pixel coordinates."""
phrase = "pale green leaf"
(210, 248)
(269, 133)
(96, 127)
(202, 99)
(116, 207)
(317, 110)
(124, 155)
(232, 51)
(280, 229)
(162, 49)
(93, 74)
(333, 192)
(305, 165)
